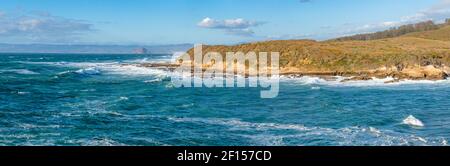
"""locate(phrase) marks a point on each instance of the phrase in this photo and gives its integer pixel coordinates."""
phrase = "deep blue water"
(61, 99)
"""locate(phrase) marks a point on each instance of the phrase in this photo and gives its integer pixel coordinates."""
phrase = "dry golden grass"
(424, 48)
(440, 34)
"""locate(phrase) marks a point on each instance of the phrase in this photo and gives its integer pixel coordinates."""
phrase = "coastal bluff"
(417, 56)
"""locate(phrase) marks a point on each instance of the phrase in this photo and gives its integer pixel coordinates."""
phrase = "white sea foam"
(22, 93)
(123, 98)
(97, 142)
(153, 80)
(89, 71)
(33, 126)
(315, 88)
(18, 136)
(337, 81)
(241, 124)
(375, 131)
(421, 139)
(88, 90)
(19, 71)
(91, 68)
(133, 70)
(353, 135)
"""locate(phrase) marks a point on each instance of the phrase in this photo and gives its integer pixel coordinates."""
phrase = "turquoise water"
(60, 99)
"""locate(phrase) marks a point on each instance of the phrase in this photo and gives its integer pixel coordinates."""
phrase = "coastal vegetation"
(397, 31)
(416, 51)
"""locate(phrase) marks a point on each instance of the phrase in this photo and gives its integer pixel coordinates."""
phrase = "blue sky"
(203, 21)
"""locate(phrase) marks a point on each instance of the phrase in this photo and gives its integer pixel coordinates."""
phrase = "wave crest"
(353, 135)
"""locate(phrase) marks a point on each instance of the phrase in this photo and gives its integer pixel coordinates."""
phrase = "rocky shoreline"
(399, 73)
(415, 72)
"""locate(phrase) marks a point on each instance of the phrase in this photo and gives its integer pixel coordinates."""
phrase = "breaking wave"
(354, 135)
(90, 68)
(337, 81)
(89, 71)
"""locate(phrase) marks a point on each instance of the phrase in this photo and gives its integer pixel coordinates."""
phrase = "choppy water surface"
(61, 99)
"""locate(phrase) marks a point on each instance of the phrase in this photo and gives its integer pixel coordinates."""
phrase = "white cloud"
(227, 24)
(238, 26)
(437, 12)
(29, 25)
(35, 27)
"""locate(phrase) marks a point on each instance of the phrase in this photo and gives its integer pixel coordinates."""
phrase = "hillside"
(397, 31)
(439, 34)
(419, 55)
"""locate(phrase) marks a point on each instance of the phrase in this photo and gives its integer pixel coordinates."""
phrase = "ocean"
(81, 99)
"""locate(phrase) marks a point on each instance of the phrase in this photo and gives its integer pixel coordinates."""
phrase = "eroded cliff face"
(415, 72)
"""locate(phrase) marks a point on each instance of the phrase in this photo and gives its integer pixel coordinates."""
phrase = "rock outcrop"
(427, 72)
(415, 72)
